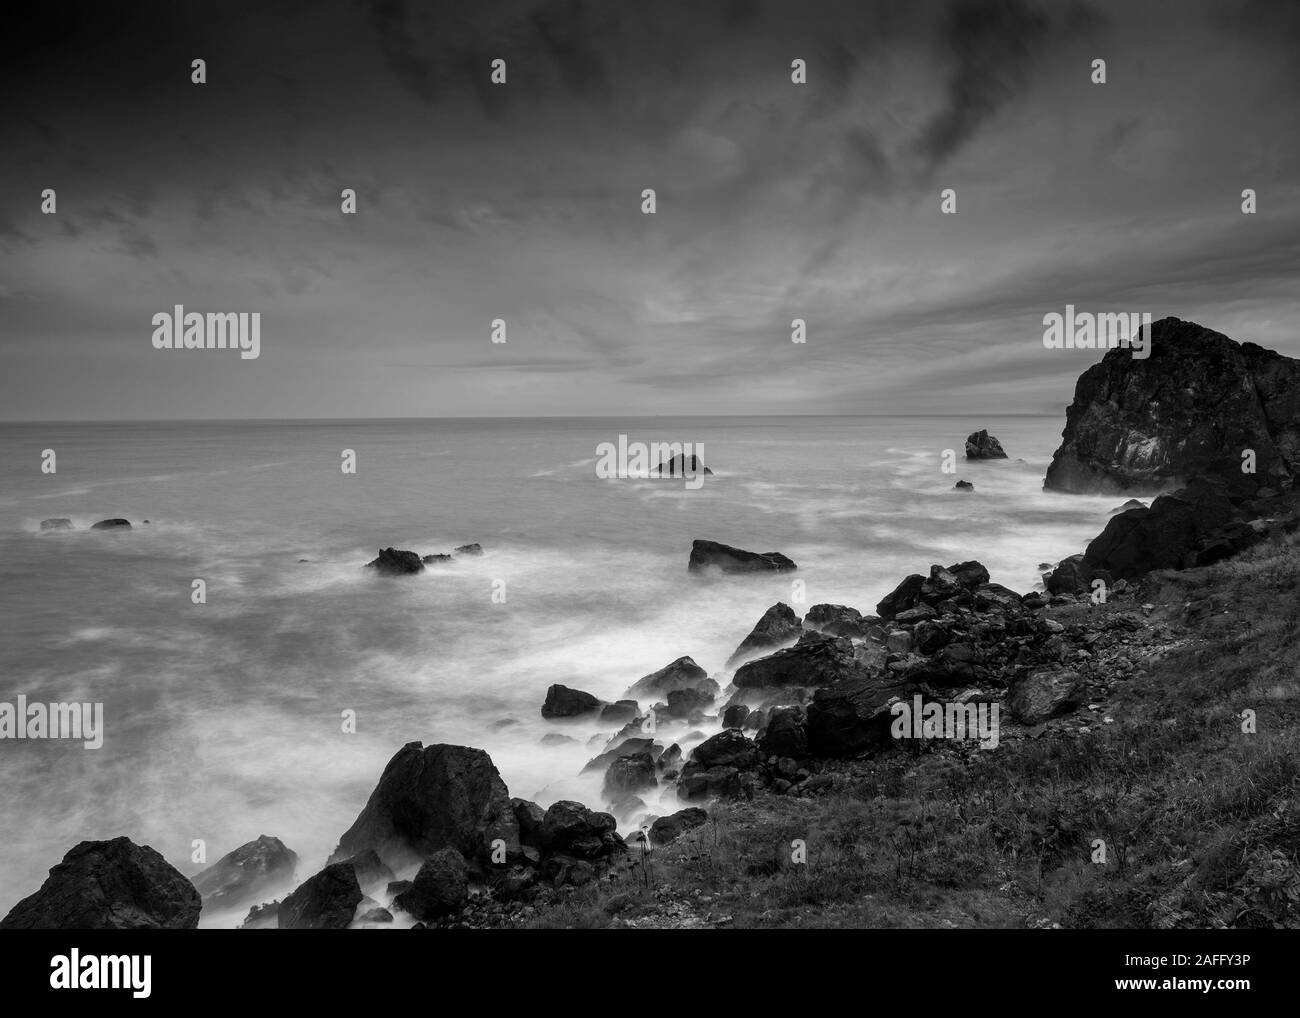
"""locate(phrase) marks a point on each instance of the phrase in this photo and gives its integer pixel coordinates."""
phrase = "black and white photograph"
(521, 470)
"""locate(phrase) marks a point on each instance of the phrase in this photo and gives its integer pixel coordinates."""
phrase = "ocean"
(224, 720)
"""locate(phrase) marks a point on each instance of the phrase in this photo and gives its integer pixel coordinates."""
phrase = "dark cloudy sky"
(522, 201)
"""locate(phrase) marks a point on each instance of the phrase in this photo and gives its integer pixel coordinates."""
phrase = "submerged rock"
(57, 523)
(681, 465)
(711, 554)
(392, 562)
(468, 549)
(109, 885)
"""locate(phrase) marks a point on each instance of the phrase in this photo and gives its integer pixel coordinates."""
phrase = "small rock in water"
(114, 524)
(469, 549)
(964, 486)
(393, 562)
(59, 523)
(983, 446)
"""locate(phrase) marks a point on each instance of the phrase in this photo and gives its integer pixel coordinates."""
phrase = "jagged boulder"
(778, 626)
(1189, 409)
(666, 830)
(836, 620)
(629, 774)
(712, 555)
(109, 885)
(246, 872)
(727, 749)
(817, 660)
(786, 733)
(1044, 694)
(680, 674)
(852, 717)
(982, 446)
(393, 562)
(681, 465)
(429, 798)
(327, 901)
(440, 888)
(1169, 534)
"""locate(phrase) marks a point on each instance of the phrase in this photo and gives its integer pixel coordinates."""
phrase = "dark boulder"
(1169, 534)
(680, 674)
(114, 524)
(711, 554)
(429, 798)
(681, 465)
(785, 734)
(852, 717)
(1189, 409)
(902, 597)
(570, 828)
(109, 885)
(778, 626)
(246, 872)
(624, 747)
(836, 620)
(392, 562)
(982, 446)
(1132, 503)
(563, 702)
(1044, 694)
(734, 715)
(327, 901)
(620, 712)
(964, 486)
(430, 560)
(687, 703)
(529, 816)
(440, 888)
(666, 830)
(370, 869)
(815, 661)
(632, 773)
(727, 749)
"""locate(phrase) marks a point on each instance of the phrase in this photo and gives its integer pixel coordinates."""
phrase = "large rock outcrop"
(430, 798)
(1192, 408)
(109, 885)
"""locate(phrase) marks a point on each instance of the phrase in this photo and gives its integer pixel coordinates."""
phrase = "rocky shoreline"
(442, 843)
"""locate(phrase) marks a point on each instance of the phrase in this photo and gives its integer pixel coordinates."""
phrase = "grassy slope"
(1201, 822)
